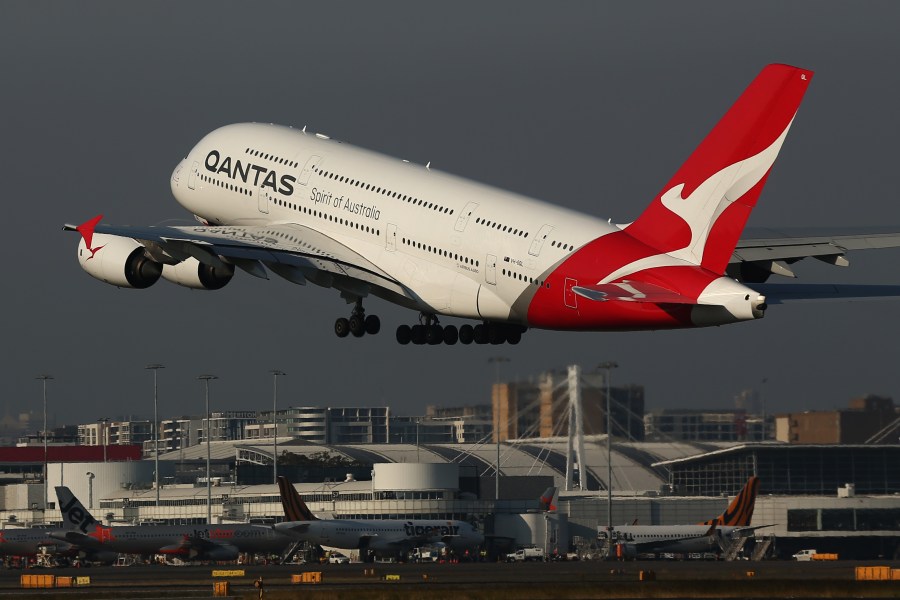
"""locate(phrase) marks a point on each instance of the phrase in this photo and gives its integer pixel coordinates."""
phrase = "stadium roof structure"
(636, 466)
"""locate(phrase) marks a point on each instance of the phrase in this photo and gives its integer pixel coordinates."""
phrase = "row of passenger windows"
(525, 278)
(327, 216)
(556, 244)
(226, 185)
(272, 157)
(503, 228)
(441, 252)
(383, 191)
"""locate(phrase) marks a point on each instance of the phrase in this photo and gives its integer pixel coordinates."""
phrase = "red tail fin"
(701, 212)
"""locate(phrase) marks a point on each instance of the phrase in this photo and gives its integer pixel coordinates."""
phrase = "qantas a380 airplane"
(309, 208)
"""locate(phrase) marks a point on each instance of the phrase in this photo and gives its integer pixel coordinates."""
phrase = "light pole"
(44, 379)
(275, 373)
(608, 366)
(90, 477)
(155, 368)
(497, 361)
(205, 379)
(101, 434)
(762, 394)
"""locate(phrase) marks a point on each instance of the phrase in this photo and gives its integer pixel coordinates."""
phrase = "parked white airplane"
(382, 537)
(309, 208)
(709, 536)
(189, 542)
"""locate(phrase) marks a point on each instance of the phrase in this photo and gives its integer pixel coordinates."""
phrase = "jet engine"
(118, 261)
(220, 552)
(194, 274)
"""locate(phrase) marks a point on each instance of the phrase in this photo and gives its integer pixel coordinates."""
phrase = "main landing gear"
(358, 324)
(429, 331)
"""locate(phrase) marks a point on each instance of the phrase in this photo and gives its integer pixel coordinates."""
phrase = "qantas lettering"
(241, 171)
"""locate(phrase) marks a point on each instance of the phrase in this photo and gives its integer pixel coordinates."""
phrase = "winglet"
(294, 507)
(86, 229)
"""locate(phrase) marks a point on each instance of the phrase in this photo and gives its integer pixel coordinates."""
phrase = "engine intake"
(194, 274)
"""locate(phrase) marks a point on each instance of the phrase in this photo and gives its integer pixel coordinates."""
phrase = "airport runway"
(694, 579)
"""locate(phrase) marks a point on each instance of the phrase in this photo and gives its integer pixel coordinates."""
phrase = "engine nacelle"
(118, 261)
(221, 552)
(194, 274)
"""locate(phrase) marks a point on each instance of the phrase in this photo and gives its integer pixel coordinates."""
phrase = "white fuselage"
(671, 538)
(422, 227)
(385, 534)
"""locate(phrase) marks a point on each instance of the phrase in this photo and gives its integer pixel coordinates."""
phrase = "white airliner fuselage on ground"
(373, 537)
(273, 199)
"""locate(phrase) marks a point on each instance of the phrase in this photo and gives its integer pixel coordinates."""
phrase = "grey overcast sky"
(591, 105)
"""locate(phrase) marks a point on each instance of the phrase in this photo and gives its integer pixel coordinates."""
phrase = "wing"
(292, 251)
(76, 538)
(762, 252)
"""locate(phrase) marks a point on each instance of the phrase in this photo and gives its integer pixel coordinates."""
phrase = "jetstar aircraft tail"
(740, 511)
(295, 508)
(74, 514)
(700, 214)
(549, 499)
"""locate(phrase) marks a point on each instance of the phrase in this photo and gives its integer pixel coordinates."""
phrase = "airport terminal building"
(804, 500)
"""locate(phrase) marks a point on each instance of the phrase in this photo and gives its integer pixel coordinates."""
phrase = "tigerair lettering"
(250, 173)
(429, 530)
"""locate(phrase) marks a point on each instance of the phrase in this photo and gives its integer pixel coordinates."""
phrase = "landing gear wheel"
(373, 324)
(434, 334)
(357, 326)
(404, 335)
(513, 336)
(418, 334)
(496, 335)
(466, 334)
(341, 327)
(451, 335)
(480, 334)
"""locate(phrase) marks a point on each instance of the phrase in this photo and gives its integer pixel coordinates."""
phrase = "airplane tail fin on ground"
(549, 499)
(295, 508)
(740, 511)
(702, 210)
(74, 514)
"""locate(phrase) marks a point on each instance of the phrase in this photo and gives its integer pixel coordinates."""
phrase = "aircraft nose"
(177, 173)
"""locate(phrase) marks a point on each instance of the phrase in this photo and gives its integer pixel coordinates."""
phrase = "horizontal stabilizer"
(779, 293)
(631, 291)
